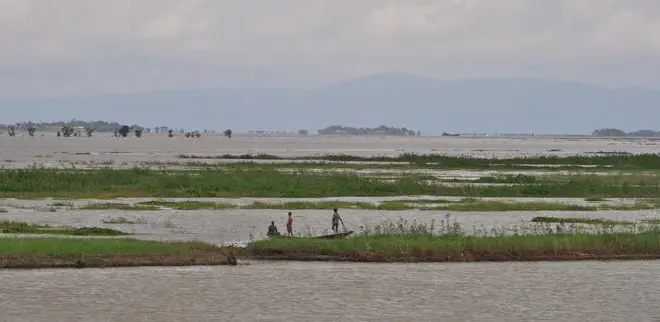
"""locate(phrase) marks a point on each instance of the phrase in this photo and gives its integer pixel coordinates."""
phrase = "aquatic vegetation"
(110, 183)
(17, 227)
(418, 242)
(466, 204)
(124, 220)
(591, 221)
(608, 161)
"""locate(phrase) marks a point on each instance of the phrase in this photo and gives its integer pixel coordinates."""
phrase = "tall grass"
(108, 183)
(393, 241)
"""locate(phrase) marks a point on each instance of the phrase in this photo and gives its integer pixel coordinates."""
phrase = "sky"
(80, 47)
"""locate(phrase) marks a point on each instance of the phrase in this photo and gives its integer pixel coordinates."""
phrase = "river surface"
(51, 150)
(569, 291)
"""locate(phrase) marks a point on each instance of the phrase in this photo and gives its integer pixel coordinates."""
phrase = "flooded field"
(567, 291)
(267, 291)
(243, 225)
(52, 150)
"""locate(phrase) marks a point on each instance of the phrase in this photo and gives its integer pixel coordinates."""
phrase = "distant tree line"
(613, 132)
(78, 128)
(381, 130)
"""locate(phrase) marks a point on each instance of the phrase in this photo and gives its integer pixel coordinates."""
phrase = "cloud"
(338, 35)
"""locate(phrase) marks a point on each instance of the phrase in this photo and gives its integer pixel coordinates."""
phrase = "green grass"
(15, 227)
(398, 246)
(110, 183)
(77, 247)
(124, 220)
(117, 206)
(466, 204)
(187, 205)
(617, 161)
(597, 221)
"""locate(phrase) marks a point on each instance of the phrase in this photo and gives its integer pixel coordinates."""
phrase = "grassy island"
(416, 248)
(80, 253)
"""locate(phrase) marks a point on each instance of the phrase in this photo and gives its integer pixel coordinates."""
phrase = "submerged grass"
(124, 220)
(110, 183)
(15, 227)
(466, 204)
(591, 221)
(615, 160)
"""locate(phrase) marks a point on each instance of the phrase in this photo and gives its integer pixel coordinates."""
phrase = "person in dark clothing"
(272, 230)
(335, 221)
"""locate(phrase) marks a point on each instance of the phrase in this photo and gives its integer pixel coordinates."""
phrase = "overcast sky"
(72, 47)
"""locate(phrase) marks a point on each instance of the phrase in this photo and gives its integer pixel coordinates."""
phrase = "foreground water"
(575, 291)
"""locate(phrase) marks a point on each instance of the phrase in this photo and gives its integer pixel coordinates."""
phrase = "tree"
(228, 133)
(31, 130)
(11, 130)
(138, 132)
(124, 130)
(89, 132)
(67, 131)
(170, 133)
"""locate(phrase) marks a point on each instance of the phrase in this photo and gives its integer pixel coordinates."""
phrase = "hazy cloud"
(108, 45)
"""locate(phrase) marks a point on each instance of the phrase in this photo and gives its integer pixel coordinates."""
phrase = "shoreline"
(453, 258)
(116, 260)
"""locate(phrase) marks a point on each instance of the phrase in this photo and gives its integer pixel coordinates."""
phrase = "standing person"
(289, 225)
(335, 221)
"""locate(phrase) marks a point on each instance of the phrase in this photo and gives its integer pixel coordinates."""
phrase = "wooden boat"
(330, 236)
(335, 236)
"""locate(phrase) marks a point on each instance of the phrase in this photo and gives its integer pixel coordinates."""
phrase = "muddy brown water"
(567, 291)
(50, 149)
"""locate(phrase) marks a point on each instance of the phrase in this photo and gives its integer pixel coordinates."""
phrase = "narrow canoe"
(331, 236)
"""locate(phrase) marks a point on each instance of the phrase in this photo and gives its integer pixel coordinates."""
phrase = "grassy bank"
(606, 161)
(422, 248)
(110, 183)
(16, 227)
(591, 221)
(68, 252)
(465, 204)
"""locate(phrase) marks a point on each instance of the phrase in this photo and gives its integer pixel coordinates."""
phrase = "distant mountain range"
(398, 100)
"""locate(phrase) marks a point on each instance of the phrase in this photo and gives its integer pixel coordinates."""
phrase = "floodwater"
(568, 291)
(50, 149)
(242, 225)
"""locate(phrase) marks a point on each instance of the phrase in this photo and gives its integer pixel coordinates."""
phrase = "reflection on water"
(576, 291)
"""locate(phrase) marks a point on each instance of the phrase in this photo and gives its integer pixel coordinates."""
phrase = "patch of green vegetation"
(77, 247)
(110, 183)
(592, 221)
(466, 204)
(617, 161)
(460, 247)
(187, 205)
(124, 220)
(15, 227)
(117, 206)
(62, 204)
